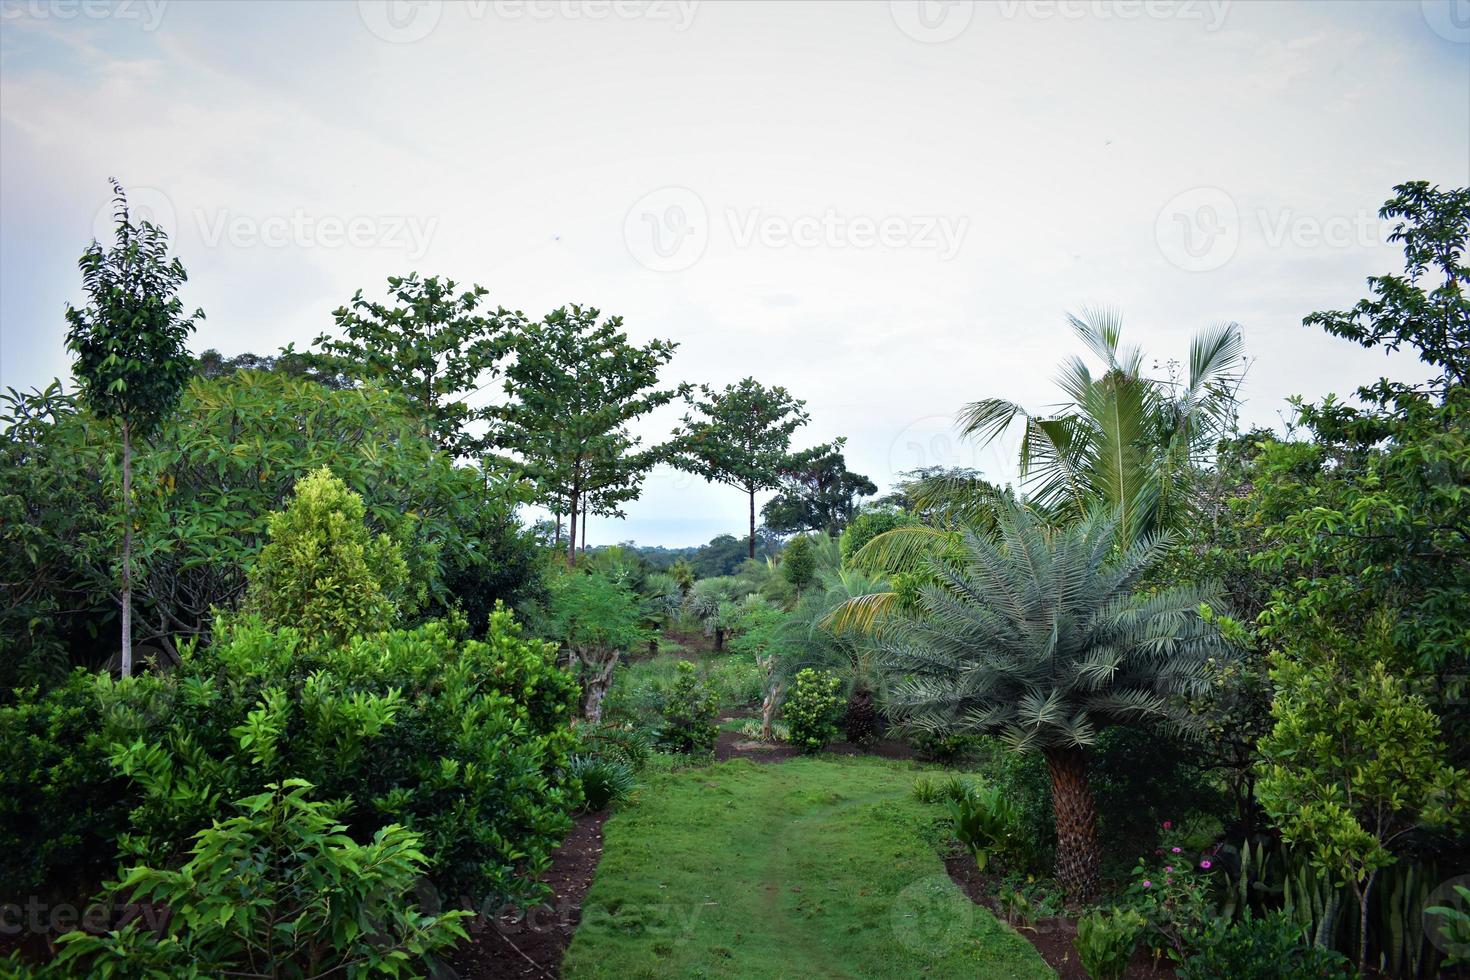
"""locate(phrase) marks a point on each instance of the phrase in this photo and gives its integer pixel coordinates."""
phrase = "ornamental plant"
(1106, 940)
(279, 890)
(1172, 892)
(812, 709)
(689, 714)
(322, 572)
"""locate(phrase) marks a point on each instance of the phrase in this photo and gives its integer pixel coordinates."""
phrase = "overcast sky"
(885, 207)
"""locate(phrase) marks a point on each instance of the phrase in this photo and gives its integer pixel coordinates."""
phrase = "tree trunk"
(752, 523)
(595, 685)
(719, 638)
(127, 551)
(1363, 893)
(572, 534)
(1078, 860)
(557, 546)
(584, 529)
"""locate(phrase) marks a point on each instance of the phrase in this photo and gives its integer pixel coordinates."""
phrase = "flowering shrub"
(1172, 890)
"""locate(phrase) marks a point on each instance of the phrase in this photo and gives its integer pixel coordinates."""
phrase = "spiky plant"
(1034, 634)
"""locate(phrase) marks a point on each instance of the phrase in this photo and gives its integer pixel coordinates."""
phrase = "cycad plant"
(1127, 440)
(1035, 634)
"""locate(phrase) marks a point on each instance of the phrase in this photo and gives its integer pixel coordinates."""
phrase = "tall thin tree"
(131, 359)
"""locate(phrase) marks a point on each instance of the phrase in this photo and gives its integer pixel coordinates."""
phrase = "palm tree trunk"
(1078, 860)
(127, 550)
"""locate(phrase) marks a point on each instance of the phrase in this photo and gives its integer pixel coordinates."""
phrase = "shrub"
(943, 749)
(812, 708)
(1105, 942)
(1272, 947)
(605, 780)
(754, 731)
(950, 788)
(61, 805)
(984, 821)
(322, 572)
(689, 714)
(1172, 892)
(282, 887)
(466, 742)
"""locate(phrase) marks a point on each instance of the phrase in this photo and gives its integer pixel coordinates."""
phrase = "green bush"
(322, 572)
(279, 887)
(1105, 942)
(61, 805)
(812, 708)
(689, 712)
(927, 790)
(1272, 947)
(605, 780)
(943, 749)
(984, 821)
(465, 741)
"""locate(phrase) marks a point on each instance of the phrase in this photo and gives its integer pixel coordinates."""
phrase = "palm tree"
(1034, 634)
(1130, 441)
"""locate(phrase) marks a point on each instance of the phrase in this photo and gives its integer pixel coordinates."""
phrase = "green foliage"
(741, 437)
(206, 485)
(1271, 947)
(605, 781)
(596, 620)
(280, 887)
(818, 493)
(61, 805)
(812, 708)
(1106, 940)
(467, 742)
(985, 821)
(868, 525)
(689, 712)
(129, 341)
(321, 572)
(1123, 439)
(1452, 926)
(798, 564)
(949, 789)
(575, 388)
(429, 344)
(1172, 892)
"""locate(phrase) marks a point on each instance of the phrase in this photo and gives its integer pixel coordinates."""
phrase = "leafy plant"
(280, 889)
(1271, 947)
(689, 714)
(1015, 906)
(984, 821)
(1105, 942)
(596, 619)
(321, 572)
(812, 708)
(1452, 926)
(1172, 891)
(927, 790)
(605, 780)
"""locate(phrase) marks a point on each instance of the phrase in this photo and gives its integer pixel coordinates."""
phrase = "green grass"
(807, 868)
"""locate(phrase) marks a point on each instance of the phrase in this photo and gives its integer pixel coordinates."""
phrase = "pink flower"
(1168, 825)
(1147, 883)
(1205, 865)
(1168, 869)
(1177, 850)
(1158, 850)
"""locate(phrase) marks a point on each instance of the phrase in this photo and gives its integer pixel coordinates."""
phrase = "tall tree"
(818, 493)
(1131, 441)
(1035, 635)
(429, 344)
(575, 386)
(741, 437)
(132, 361)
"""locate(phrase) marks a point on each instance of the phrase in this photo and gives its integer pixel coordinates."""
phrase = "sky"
(888, 208)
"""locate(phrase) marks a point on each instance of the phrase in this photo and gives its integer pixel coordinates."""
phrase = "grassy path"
(807, 868)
